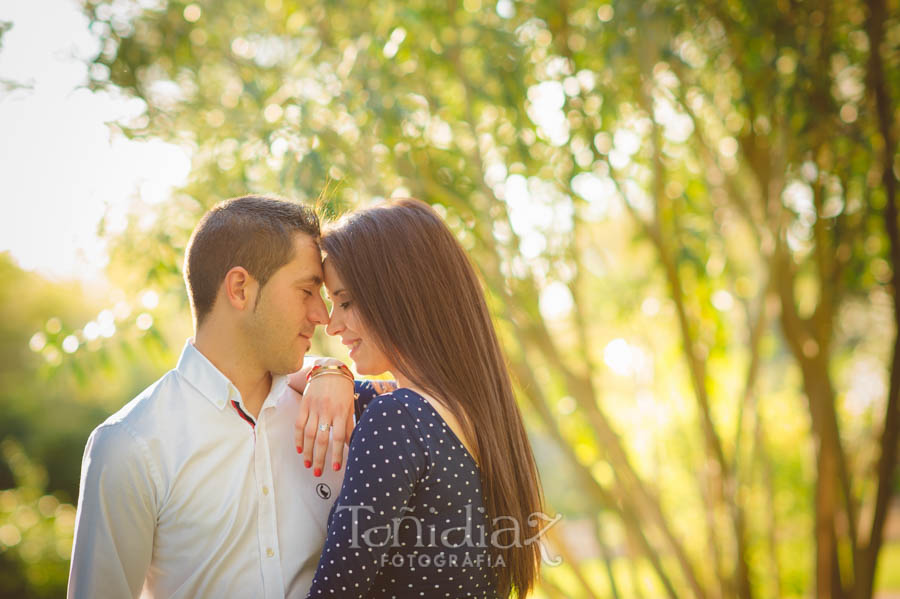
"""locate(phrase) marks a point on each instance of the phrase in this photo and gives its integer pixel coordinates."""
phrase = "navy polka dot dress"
(410, 519)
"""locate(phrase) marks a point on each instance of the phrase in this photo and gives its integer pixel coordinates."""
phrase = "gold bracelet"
(334, 368)
(324, 372)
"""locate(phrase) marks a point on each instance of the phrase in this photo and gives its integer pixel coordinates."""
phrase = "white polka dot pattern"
(410, 518)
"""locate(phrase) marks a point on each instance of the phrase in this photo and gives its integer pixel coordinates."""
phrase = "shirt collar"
(276, 393)
(205, 377)
(215, 386)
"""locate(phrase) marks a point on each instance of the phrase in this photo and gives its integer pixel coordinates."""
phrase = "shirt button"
(265, 490)
(270, 552)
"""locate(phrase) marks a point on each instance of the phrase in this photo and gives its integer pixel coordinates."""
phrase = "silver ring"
(324, 427)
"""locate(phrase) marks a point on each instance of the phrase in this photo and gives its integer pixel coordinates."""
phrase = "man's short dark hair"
(254, 232)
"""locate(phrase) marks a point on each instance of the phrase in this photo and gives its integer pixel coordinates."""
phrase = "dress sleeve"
(116, 517)
(367, 390)
(386, 460)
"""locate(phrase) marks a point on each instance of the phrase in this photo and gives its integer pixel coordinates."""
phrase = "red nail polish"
(299, 449)
(337, 466)
(317, 472)
(307, 463)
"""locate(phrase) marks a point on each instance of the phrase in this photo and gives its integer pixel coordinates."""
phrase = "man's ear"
(240, 288)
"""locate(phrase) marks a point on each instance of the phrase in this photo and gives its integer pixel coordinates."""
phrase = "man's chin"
(284, 368)
(291, 365)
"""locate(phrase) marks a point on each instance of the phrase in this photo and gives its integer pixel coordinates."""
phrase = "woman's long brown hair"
(419, 296)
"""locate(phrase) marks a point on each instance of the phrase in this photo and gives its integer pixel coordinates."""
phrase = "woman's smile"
(353, 345)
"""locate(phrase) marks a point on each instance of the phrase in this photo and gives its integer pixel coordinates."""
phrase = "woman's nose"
(335, 323)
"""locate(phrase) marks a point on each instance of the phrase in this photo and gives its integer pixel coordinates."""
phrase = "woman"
(440, 480)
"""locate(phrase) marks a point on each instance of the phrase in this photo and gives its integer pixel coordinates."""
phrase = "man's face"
(288, 308)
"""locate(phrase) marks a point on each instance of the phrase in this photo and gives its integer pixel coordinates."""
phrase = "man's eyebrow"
(311, 280)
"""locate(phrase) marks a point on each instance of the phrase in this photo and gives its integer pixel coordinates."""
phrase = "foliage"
(684, 214)
(36, 531)
(49, 406)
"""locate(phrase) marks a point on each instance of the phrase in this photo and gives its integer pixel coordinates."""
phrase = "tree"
(715, 180)
(49, 406)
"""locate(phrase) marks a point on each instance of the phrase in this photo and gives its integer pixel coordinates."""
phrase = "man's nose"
(319, 313)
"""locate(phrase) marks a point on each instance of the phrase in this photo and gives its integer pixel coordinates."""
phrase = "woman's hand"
(297, 381)
(327, 401)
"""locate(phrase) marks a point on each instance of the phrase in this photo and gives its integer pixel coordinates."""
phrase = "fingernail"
(317, 472)
(337, 466)
(307, 463)
(299, 449)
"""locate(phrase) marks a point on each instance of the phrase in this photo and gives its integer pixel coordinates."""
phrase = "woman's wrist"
(331, 368)
(310, 361)
(298, 379)
(326, 361)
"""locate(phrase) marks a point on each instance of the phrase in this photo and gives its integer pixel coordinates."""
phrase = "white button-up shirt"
(183, 496)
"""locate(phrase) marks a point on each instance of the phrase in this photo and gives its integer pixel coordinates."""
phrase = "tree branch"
(887, 462)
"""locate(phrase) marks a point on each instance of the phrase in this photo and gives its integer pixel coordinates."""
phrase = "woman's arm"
(329, 400)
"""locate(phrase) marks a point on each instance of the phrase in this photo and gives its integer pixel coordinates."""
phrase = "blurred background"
(684, 214)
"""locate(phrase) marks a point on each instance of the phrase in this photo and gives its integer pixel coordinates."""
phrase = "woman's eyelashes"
(343, 305)
(340, 302)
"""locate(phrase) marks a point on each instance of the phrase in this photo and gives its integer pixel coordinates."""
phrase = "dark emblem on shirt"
(323, 490)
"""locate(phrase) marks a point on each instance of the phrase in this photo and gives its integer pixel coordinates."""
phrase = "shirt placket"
(268, 526)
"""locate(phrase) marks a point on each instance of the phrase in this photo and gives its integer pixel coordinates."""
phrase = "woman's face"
(364, 352)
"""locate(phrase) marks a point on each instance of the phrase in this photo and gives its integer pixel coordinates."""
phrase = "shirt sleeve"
(116, 517)
(386, 460)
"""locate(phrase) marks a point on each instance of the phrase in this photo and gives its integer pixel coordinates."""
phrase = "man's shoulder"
(121, 440)
(147, 410)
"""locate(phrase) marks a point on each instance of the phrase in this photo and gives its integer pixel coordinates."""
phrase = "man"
(195, 488)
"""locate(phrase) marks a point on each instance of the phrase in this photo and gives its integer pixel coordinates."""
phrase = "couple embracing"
(212, 482)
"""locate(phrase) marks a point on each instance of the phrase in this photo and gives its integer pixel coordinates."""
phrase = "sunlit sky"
(61, 167)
